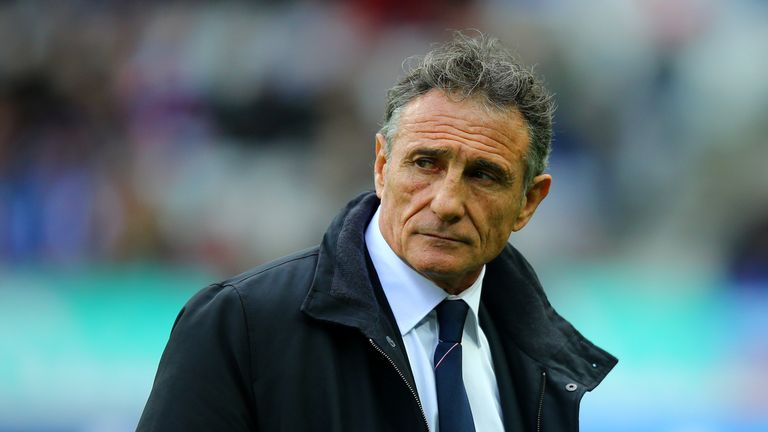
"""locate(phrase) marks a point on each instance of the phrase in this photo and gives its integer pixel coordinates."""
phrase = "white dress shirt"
(412, 299)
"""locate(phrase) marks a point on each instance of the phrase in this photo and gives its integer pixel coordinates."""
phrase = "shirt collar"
(411, 296)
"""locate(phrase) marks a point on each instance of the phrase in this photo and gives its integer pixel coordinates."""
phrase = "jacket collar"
(342, 293)
(515, 299)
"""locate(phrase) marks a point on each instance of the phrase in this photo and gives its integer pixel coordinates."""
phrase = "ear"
(533, 197)
(379, 165)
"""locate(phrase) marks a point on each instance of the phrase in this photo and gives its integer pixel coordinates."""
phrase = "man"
(414, 313)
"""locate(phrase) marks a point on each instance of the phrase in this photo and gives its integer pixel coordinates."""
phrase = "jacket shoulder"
(304, 260)
(276, 289)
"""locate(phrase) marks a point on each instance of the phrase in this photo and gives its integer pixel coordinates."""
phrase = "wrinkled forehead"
(436, 112)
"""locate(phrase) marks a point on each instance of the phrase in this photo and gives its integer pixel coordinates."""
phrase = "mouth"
(444, 237)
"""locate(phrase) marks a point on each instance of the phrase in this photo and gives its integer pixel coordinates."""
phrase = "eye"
(483, 175)
(426, 163)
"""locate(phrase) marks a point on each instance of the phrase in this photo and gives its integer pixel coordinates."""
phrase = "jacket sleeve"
(203, 382)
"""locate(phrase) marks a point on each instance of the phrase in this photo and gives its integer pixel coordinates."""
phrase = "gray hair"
(479, 68)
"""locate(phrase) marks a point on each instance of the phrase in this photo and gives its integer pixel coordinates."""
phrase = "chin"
(439, 268)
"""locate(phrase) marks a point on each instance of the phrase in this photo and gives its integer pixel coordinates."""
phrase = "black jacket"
(308, 343)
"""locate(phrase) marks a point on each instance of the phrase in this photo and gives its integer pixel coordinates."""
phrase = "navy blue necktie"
(453, 408)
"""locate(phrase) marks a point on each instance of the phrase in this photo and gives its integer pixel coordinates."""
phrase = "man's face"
(452, 188)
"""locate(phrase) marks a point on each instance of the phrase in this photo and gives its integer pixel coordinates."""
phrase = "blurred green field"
(80, 347)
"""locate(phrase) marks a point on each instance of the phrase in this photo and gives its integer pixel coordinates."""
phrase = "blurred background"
(149, 148)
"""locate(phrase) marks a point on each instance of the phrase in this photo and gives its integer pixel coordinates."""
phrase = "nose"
(448, 200)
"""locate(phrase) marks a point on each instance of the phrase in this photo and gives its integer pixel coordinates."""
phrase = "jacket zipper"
(413, 392)
(541, 401)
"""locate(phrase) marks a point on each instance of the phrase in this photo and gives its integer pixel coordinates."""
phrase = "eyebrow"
(431, 152)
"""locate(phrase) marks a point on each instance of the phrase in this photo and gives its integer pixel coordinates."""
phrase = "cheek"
(399, 196)
(499, 222)
(410, 180)
(407, 190)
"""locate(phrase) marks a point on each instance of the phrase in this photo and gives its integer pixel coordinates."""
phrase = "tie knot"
(451, 315)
